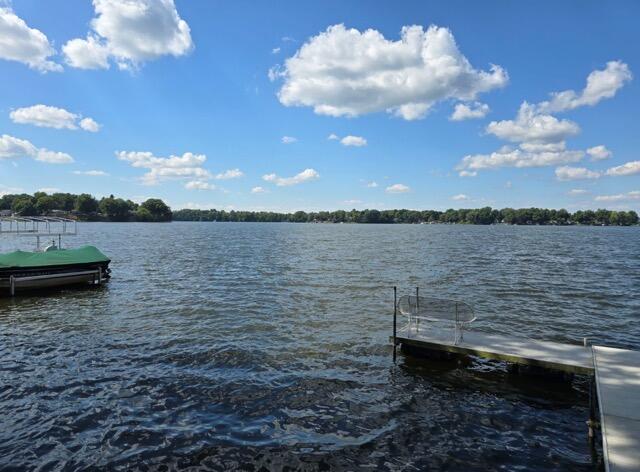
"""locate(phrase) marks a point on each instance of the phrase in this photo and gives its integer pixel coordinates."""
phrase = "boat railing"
(38, 227)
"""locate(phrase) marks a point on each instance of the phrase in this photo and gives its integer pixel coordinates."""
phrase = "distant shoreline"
(479, 216)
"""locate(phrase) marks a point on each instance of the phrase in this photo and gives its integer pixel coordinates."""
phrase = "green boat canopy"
(81, 255)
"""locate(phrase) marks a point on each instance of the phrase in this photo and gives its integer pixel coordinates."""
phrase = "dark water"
(249, 346)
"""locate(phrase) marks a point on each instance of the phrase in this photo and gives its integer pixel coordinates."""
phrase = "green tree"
(24, 206)
(155, 209)
(86, 204)
(44, 204)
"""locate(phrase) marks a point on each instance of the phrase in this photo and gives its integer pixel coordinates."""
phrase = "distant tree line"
(84, 207)
(479, 216)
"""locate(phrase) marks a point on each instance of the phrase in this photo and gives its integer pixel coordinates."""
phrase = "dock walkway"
(618, 385)
(564, 357)
(617, 376)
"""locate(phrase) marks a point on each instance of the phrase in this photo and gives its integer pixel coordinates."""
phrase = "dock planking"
(618, 384)
(564, 357)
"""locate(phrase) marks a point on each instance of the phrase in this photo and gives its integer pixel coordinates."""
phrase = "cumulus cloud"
(397, 188)
(130, 32)
(229, 174)
(199, 185)
(629, 168)
(91, 173)
(357, 141)
(576, 173)
(11, 148)
(601, 84)
(541, 137)
(258, 190)
(531, 127)
(304, 176)
(345, 72)
(187, 166)
(372, 184)
(469, 111)
(599, 153)
(633, 195)
(52, 117)
(333, 137)
(19, 42)
(508, 156)
(575, 192)
(460, 197)
(289, 140)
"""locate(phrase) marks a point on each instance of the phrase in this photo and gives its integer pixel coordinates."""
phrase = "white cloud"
(515, 157)
(304, 176)
(601, 84)
(508, 184)
(397, 188)
(199, 185)
(372, 184)
(574, 192)
(89, 124)
(88, 53)
(20, 43)
(275, 50)
(11, 148)
(52, 117)
(333, 137)
(258, 190)
(91, 173)
(288, 139)
(576, 173)
(469, 111)
(4, 190)
(531, 127)
(357, 141)
(49, 190)
(353, 202)
(345, 72)
(541, 136)
(53, 157)
(130, 32)
(460, 197)
(629, 168)
(187, 166)
(599, 153)
(633, 195)
(229, 174)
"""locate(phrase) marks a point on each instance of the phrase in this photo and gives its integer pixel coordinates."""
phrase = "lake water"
(240, 345)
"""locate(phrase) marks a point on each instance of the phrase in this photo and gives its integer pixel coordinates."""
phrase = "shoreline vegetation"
(85, 207)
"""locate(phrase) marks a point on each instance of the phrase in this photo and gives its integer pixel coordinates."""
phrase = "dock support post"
(592, 412)
(12, 285)
(417, 309)
(395, 310)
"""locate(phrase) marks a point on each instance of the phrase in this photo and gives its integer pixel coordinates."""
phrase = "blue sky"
(191, 79)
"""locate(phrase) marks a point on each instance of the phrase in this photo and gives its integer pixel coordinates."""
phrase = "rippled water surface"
(223, 346)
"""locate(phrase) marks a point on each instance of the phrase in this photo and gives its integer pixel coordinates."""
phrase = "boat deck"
(618, 385)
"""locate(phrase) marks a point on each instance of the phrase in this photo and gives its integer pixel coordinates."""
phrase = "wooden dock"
(617, 376)
(563, 357)
(618, 385)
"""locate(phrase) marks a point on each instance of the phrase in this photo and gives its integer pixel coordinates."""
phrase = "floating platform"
(616, 371)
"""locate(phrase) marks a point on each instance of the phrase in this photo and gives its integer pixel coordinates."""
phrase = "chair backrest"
(437, 309)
